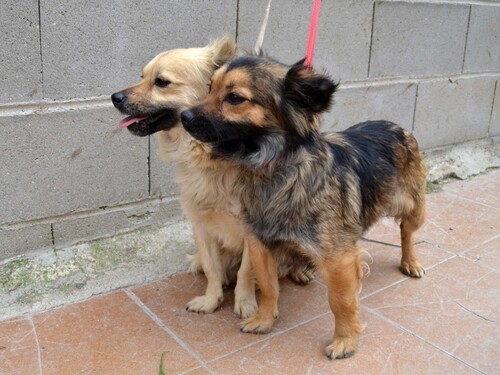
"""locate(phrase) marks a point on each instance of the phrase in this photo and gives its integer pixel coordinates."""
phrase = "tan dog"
(173, 81)
(304, 193)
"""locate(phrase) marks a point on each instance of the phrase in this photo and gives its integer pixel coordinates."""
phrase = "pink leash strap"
(312, 34)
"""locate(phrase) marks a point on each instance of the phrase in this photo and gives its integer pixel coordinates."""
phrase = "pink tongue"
(127, 121)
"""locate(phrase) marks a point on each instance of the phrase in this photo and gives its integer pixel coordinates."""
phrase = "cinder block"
(114, 221)
(451, 112)
(343, 36)
(495, 112)
(162, 174)
(22, 240)
(411, 39)
(392, 102)
(98, 47)
(20, 62)
(483, 41)
(58, 162)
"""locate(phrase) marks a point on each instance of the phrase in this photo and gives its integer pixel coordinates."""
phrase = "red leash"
(312, 34)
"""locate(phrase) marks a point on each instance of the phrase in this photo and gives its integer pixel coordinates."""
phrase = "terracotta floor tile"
(18, 347)
(487, 254)
(455, 307)
(383, 348)
(480, 189)
(196, 371)
(453, 223)
(386, 230)
(216, 334)
(384, 267)
(106, 335)
(457, 224)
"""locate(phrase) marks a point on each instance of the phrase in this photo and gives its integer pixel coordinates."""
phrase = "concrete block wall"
(67, 173)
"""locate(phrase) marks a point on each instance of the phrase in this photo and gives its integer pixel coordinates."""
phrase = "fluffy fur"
(171, 82)
(308, 194)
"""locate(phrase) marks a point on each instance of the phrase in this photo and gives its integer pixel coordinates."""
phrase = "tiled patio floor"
(444, 323)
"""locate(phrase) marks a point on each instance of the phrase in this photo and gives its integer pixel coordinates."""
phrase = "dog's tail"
(366, 260)
(194, 263)
(364, 267)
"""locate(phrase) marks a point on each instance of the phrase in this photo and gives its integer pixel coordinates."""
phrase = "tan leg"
(410, 264)
(212, 268)
(245, 303)
(266, 273)
(342, 274)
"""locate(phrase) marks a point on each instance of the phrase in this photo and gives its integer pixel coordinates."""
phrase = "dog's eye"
(161, 82)
(234, 99)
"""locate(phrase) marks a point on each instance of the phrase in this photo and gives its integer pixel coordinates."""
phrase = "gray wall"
(68, 173)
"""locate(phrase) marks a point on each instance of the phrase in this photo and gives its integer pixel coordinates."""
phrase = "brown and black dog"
(304, 192)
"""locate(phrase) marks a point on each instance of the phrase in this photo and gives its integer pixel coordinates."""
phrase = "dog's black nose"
(118, 97)
(187, 116)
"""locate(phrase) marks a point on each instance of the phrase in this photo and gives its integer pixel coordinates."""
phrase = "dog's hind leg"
(245, 303)
(343, 273)
(266, 273)
(410, 264)
(212, 268)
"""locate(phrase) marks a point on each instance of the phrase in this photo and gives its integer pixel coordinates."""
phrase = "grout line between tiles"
(277, 334)
(39, 353)
(470, 200)
(320, 281)
(401, 327)
(190, 370)
(480, 244)
(434, 244)
(382, 289)
(162, 325)
(415, 304)
(379, 242)
(474, 313)
(407, 278)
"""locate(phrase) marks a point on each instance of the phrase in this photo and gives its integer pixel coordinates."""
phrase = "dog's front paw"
(259, 323)
(302, 276)
(204, 304)
(341, 347)
(245, 307)
(413, 268)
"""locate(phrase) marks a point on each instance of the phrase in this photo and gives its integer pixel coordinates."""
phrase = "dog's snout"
(118, 98)
(187, 116)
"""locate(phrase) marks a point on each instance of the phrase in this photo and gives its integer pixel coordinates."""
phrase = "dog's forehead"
(255, 72)
(229, 79)
(176, 61)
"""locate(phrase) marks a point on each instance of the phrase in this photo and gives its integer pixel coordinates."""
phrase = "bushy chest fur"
(284, 204)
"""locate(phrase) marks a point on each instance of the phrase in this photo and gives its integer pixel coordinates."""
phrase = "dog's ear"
(222, 50)
(307, 89)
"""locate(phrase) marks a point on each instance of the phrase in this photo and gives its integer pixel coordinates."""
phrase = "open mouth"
(147, 125)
